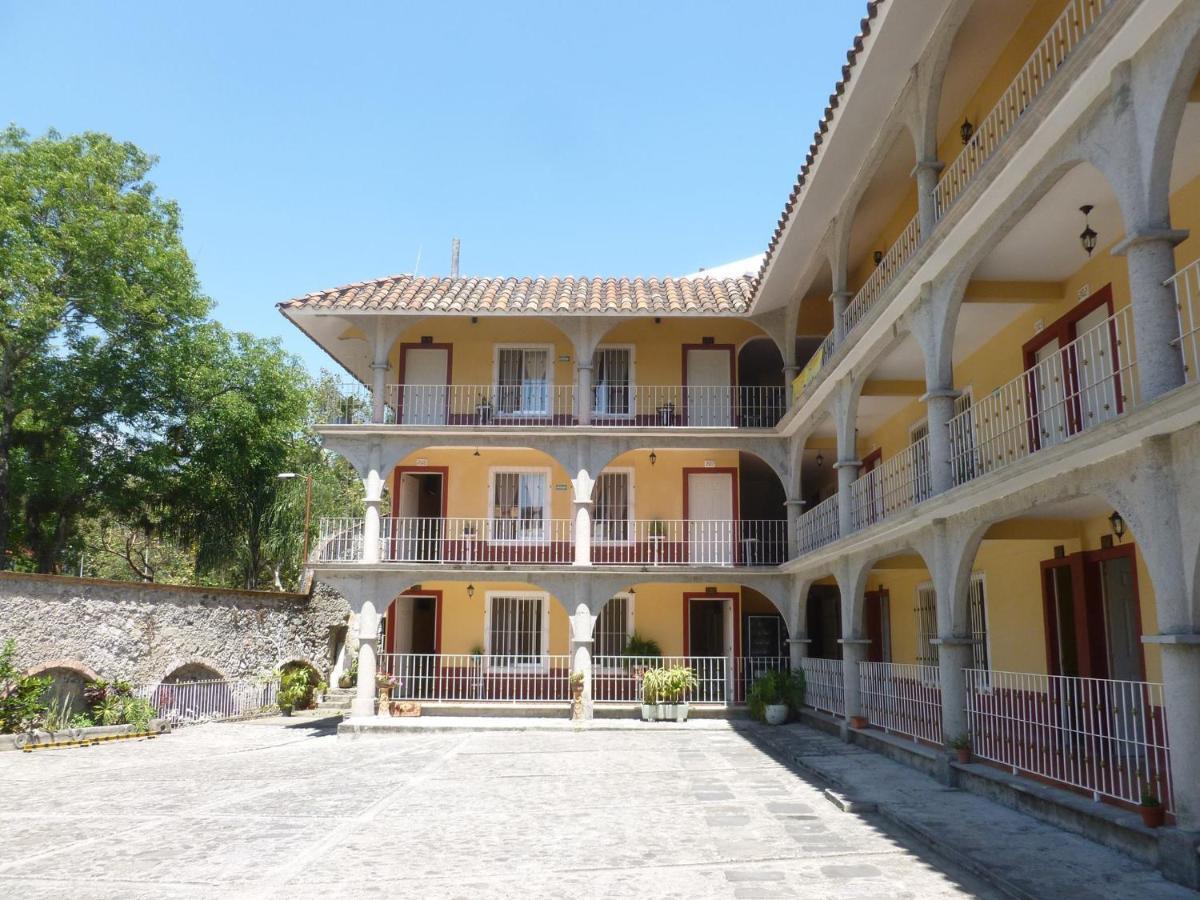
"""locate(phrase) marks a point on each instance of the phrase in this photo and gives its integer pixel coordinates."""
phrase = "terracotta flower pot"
(858, 721)
(964, 754)
(1153, 816)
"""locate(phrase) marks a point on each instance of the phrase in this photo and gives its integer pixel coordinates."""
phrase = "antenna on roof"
(454, 245)
(417, 267)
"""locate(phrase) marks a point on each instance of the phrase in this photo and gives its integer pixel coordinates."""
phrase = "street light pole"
(308, 485)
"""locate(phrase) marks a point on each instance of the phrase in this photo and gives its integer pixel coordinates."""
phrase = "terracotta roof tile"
(593, 296)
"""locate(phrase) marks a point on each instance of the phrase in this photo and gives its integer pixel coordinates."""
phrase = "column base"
(364, 708)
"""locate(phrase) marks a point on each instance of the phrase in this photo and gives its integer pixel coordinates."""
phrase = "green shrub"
(295, 685)
(774, 687)
(667, 684)
(22, 698)
(137, 712)
(641, 646)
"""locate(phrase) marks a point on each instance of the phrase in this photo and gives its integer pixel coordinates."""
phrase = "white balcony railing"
(1089, 381)
(477, 540)
(433, 677)
(1103, 736)
(818, 526)
(894, 485)
(618, 679)
(696, 542)
(902, 699)
(885, 273)
(340, 540)
(824, 685)
(530, 404)
(1186, 283)
(209, 701)
(1068, 31)
(349, 403)
(675, 406)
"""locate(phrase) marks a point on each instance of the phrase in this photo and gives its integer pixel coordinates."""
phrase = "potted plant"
(293, 688)
(384, 684)
(961, 745)
(774, 695)
(320, 691)
(1151, 808)
(657, 535)
(859, 721)
(666, 414)
(483, 410)
(349, 678)
(663, 692)
(576, 696)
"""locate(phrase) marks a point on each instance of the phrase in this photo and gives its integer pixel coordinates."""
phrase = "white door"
(1092, 355)
(710, 519)
(709, 392)
(425, 386)
(1050, 396)
(405, 531)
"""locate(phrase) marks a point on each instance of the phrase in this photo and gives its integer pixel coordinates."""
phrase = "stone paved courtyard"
(284, 809)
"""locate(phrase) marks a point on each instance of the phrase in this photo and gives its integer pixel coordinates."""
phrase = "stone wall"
(143, 632)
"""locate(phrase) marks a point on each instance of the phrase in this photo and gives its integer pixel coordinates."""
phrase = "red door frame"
(1063, 329)
(1090, 639)
(736, 500)
(389, 630)
(444, 471)
(402, 365)
(731, 349)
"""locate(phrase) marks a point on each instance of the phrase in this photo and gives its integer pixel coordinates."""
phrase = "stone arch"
(856, 572)
(1184, 58)
(68, 679)
(192, 669)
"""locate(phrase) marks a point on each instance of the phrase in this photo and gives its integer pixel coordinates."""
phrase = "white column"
(795, 509)
(583, 392)
(798, 651)
(379, 370)
(854, 651)
(582, 625)
(939, 406)
(1150, 259)
(373, 503)
(954, 658)
(926, 173)
(363, 703)
(581, 505)
(847, 474)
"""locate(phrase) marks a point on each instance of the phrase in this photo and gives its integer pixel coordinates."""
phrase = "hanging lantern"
(966, 131)
(1088, 236)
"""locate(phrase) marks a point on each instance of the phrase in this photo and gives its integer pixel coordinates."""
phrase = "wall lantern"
(820, 459)
(1118, 524)
(966, 131)
(653, 457)
(470, 591)
(1087, 237)
(877, 256)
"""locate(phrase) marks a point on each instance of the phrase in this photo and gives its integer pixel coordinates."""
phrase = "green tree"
(98, 303)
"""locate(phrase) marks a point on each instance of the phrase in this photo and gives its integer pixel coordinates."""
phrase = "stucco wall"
(142, 632)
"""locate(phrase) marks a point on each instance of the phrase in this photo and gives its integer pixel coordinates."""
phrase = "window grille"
(926, 616)
(523, 380)
(612, 378)
(515, 627)
(611, 511)
(612, 626)
(927, 629)
(519, 506)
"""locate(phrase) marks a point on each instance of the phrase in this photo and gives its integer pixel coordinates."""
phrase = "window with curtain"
(612, 626)
(516, 628)
(519, 506)
(611, 378)
(523, 380)
(611, 512)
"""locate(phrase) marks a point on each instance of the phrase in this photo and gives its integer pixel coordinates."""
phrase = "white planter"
(777, 713)
(664, 712)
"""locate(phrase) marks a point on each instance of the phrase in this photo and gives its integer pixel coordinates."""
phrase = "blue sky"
(310, 145)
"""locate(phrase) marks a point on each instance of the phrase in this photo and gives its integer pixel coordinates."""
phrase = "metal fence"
(902, 698)
(189, 702)
(885, 273)
(824, 685)
(477, 540)
(1104, 736)
(705, 542)
(476, 405)
(533, 678)
(1186, 283)
(618, 679)
(818, 526)
(896, 484)
(688, 406)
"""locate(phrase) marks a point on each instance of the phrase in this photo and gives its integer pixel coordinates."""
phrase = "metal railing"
(618, 679)
(349, 403)
(475, 405)
(824, 685)
(885, 272)
(818, 526)
(894, 485)
(535, 678)
(815, 365)
(190, 702)
(1186, 283)
(902, 699)
(675, 406)
(468, 540)
(340, 539)
(1068, 31)
(703, 542)
(1089, 381)
(1103, 736)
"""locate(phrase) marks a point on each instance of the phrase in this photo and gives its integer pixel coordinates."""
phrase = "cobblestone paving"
(286, 810)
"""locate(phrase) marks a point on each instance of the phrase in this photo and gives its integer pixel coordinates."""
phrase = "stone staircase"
(336, 702)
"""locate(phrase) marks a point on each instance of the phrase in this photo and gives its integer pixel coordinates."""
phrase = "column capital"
(1184, 639)
(848, 464)
(800, 503)
(799, 640)
(840, 295)
(583, 366)
(937, 393)
(855, 642)
(792, 371)
(954, 641)
(928, 165)
(1172, 236)
(380, 365)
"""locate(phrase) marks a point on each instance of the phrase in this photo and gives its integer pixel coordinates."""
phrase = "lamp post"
(308, 481)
